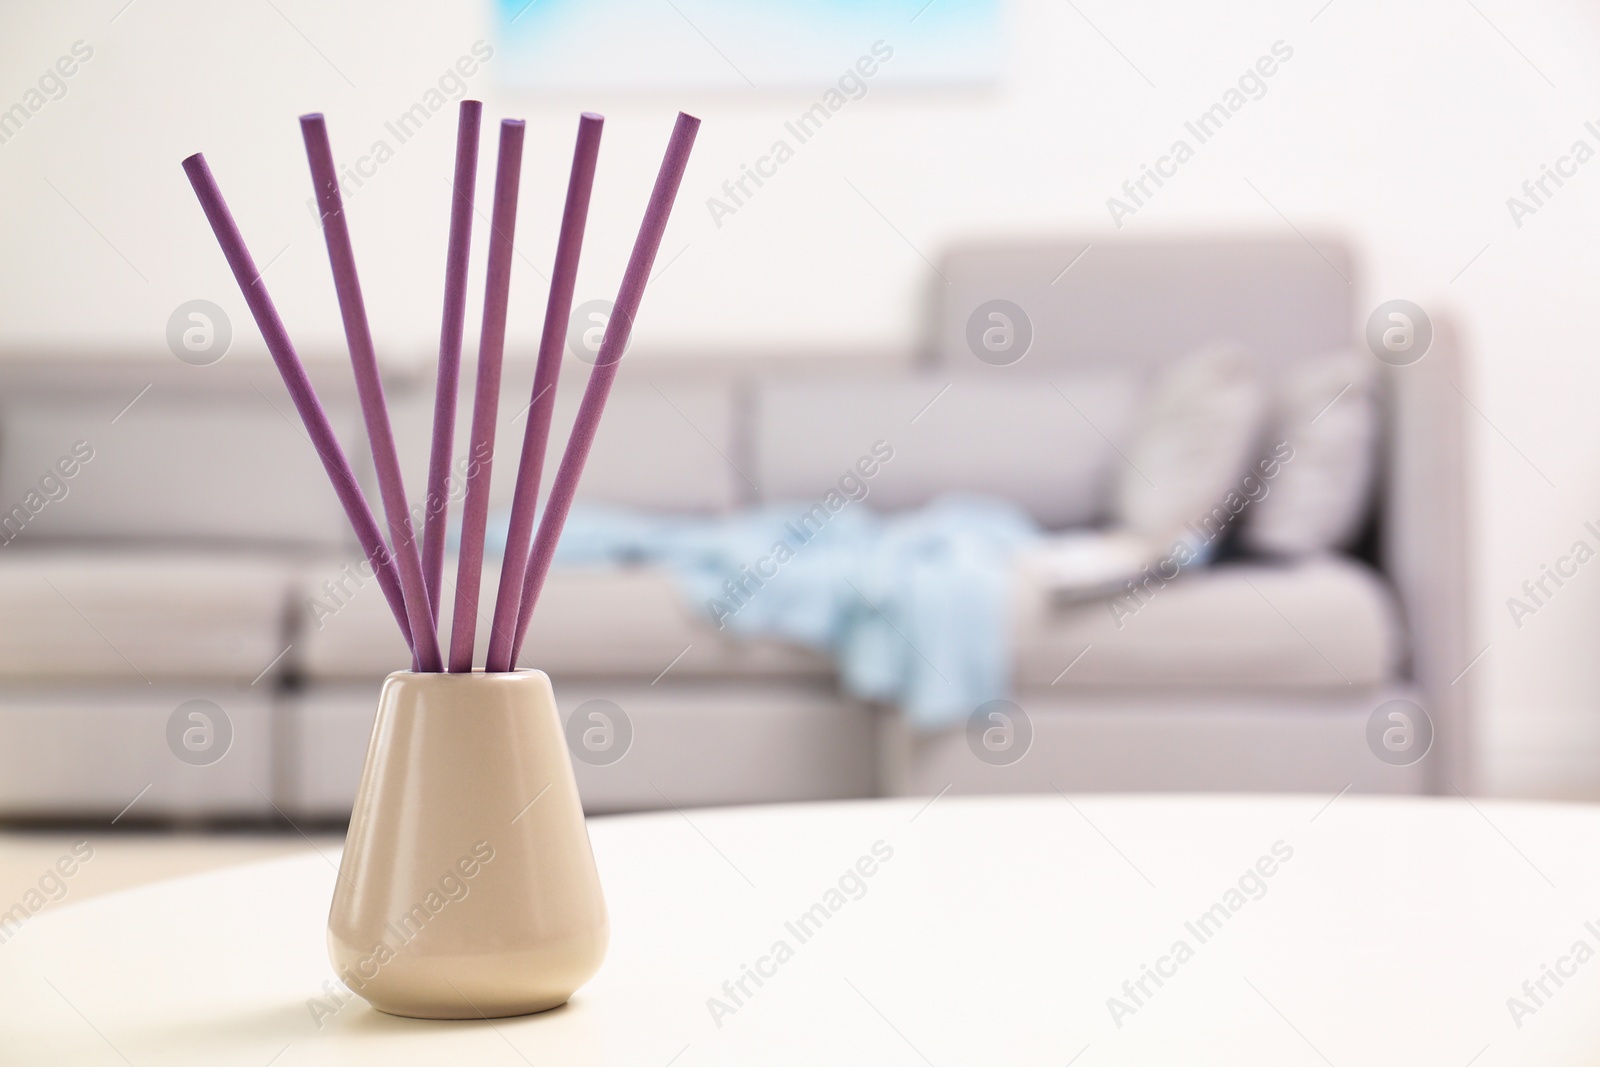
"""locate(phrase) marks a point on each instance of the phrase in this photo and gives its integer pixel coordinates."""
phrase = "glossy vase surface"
(468, 888)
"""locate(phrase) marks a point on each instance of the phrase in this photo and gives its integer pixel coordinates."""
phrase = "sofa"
(188, 635)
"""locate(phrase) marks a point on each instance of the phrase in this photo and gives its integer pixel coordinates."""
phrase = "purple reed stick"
(536, 435)
(437, 505)
(615, 342)
(369, 386)
(491, 349)
(299, 385)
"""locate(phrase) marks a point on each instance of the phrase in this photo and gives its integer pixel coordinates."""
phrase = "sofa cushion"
(662, 445)
(232, 468)
(613, 621)
(1048, 447)
(1326, 419)
(1198, 433)
(1217, 627)
(140, 616)
(1324, 622)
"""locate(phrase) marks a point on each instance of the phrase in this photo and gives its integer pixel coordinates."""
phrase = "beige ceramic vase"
(468, 889)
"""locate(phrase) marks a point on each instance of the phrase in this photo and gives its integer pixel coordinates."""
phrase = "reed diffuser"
(468, 888)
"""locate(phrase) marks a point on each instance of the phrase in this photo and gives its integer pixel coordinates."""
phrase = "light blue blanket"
(914, 607)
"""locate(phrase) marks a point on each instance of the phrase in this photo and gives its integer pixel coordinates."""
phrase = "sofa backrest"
(1046, 430)
(216, 454)
(1125, 305)
(162, 452)
(159, 451)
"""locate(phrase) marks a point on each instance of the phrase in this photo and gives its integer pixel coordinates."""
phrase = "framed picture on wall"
(744, 44)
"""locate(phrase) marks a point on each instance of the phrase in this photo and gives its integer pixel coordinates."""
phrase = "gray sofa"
(199, 555)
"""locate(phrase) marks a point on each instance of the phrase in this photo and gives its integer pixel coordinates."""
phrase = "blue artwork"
(744, 44)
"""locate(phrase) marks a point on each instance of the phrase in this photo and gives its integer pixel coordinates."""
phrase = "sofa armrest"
(1426, 545)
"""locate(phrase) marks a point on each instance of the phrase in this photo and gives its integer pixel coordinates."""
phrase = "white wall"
(1406, 126)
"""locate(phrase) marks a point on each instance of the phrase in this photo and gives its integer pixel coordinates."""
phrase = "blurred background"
(1179, 397)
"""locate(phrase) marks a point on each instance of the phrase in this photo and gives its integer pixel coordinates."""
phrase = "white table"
(995, 934)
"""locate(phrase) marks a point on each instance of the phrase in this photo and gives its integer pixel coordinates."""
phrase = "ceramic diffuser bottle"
(467, 889)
